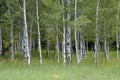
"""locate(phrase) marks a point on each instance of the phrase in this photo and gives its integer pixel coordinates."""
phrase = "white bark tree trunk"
(81, 44)
(11, 34)
(97, 34)
(57, 44)
(117, 31)
(105, 46)
(63, 37)
(105, 37)
(0, 41)
(68, 34)
(39, 40)
(84, 49)
(26, 46)
(76, 41)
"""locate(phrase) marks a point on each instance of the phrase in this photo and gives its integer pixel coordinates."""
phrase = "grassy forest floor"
(51, 70)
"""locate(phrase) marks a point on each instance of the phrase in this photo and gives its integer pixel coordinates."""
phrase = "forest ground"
(51, 70)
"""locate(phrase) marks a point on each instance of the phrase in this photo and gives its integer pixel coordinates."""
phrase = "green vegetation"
(54, 29)
(51, 70)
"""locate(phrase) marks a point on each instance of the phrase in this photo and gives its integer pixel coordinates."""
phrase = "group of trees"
(60, 25)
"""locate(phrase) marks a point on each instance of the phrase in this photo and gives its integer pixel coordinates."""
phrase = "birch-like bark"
(108, 50)
(81, 44)
(63, 37)
(105, 38)
(11, 34)
(57, 44)
(39, 40)
(76, 41)
(117, 31)
(0, 41)
(26, 46)
(97, 35)
(84, 49)
(68, 34)
(105, 46)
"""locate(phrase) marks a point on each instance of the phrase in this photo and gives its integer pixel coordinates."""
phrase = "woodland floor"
(51, 70)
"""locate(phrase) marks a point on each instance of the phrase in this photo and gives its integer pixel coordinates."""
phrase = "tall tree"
(48, 42)
(20, 36)
(76, 41)
(97, 34)
(68, 33)
(30, 45)
(39, 41)
(117, 31)
(105, 37)
(26, 46)
(63, 35)
(11, 33)
(57, 43)
(81, 42)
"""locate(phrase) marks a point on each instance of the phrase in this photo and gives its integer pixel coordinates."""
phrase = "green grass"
(51, 70)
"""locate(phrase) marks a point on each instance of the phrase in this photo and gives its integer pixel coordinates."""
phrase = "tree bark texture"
(68, 34)
(117, 31)
(11, 34)
(76, 40)
(63, 37)
(26, 46)
(39, 40)
(97, 34)
(57, 44)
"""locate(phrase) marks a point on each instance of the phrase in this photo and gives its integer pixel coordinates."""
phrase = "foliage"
(50, 14)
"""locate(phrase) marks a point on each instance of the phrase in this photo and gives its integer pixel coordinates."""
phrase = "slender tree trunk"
(81, 44)
(105, 46)
(86, 48)
(26, 46)
(15, 48)
(48, 43)
(57, 44)
(63, 46)
(117, 31)
(11, 34)
(33, 45)
(68, 34)
(108, 49)
(105, 35)
(0, 41)
(30, 45)
(76, 41)
(63, 37)
(20, 38)
(97, 35)
(39, 40)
